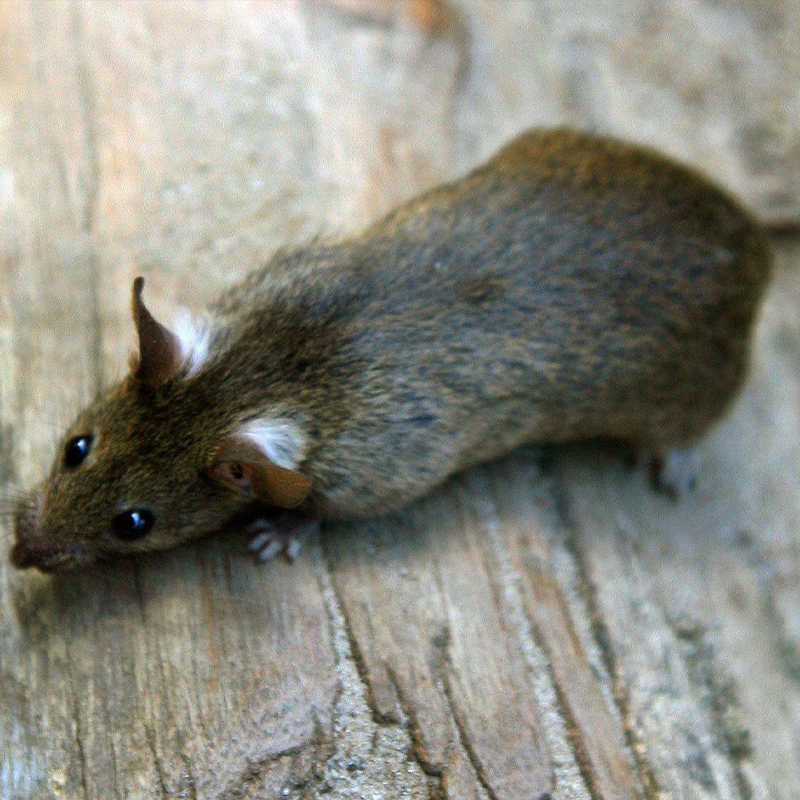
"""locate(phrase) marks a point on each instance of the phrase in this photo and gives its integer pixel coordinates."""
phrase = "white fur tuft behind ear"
(195, 335)
(281, 440)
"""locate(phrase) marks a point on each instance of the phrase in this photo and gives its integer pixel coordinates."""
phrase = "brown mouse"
(572, 287)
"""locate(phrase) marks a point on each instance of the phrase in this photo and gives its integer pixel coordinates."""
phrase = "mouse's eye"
(77, 449)
(132, 524)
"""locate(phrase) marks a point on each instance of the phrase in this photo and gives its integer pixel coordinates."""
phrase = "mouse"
(574, 286)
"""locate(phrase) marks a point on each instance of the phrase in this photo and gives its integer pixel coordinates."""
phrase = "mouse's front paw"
(675, 472)
(285, 534)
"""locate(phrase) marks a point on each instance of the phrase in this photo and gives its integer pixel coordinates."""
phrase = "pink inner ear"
(235, 475)
(241, 465)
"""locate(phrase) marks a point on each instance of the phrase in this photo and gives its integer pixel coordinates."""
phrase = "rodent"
(572, 287)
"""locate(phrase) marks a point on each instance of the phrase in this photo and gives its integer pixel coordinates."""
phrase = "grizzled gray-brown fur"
(572, 287)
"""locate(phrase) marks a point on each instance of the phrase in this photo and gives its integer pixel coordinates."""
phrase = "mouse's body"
(573, 287)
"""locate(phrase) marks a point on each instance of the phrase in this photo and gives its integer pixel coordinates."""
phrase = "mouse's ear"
(160, 350)
(241, 464)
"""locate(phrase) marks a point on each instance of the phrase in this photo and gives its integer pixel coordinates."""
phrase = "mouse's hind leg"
(674, 472)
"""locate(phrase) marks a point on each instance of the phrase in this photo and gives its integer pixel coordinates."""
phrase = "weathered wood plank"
(422, 612)
(50, 355)
(523, 631)
(587, 698)
(147, 697)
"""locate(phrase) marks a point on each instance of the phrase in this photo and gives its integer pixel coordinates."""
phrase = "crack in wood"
(600, 634)
(411, 725)
(78, 738)
(573, 732)
(378, 717)
(151, 744)
(721, 700)
(379, 720)
(408, 722)
(463, 735)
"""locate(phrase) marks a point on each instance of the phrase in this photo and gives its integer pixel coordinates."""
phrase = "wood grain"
(542, 627)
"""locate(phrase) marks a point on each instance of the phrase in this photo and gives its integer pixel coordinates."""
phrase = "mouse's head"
(157, 460)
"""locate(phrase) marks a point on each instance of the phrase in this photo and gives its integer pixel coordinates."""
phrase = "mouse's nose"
(61, 558)
(30, 549)
(21, 556)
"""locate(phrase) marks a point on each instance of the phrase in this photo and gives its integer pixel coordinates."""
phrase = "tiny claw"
(286, 535)
(271, 550)
(293, 548)
(256, 544)
(675, 472)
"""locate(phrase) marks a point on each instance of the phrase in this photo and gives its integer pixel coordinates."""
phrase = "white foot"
(675, 472)
(284, 534)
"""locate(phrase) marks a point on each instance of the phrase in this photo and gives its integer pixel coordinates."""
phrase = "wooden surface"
(543, 626)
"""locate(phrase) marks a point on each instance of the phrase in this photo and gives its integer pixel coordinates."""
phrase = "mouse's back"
(572, 287)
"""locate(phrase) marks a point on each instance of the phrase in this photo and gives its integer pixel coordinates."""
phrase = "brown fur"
(572, 287)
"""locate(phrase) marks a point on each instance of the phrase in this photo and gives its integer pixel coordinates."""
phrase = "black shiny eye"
(77, 449)
(132, 524)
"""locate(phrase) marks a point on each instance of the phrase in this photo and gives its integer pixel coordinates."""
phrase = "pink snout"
(47, 552)
(47, 558)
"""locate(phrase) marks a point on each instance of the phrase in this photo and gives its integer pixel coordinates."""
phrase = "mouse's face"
(125, 478)
(146, 467)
